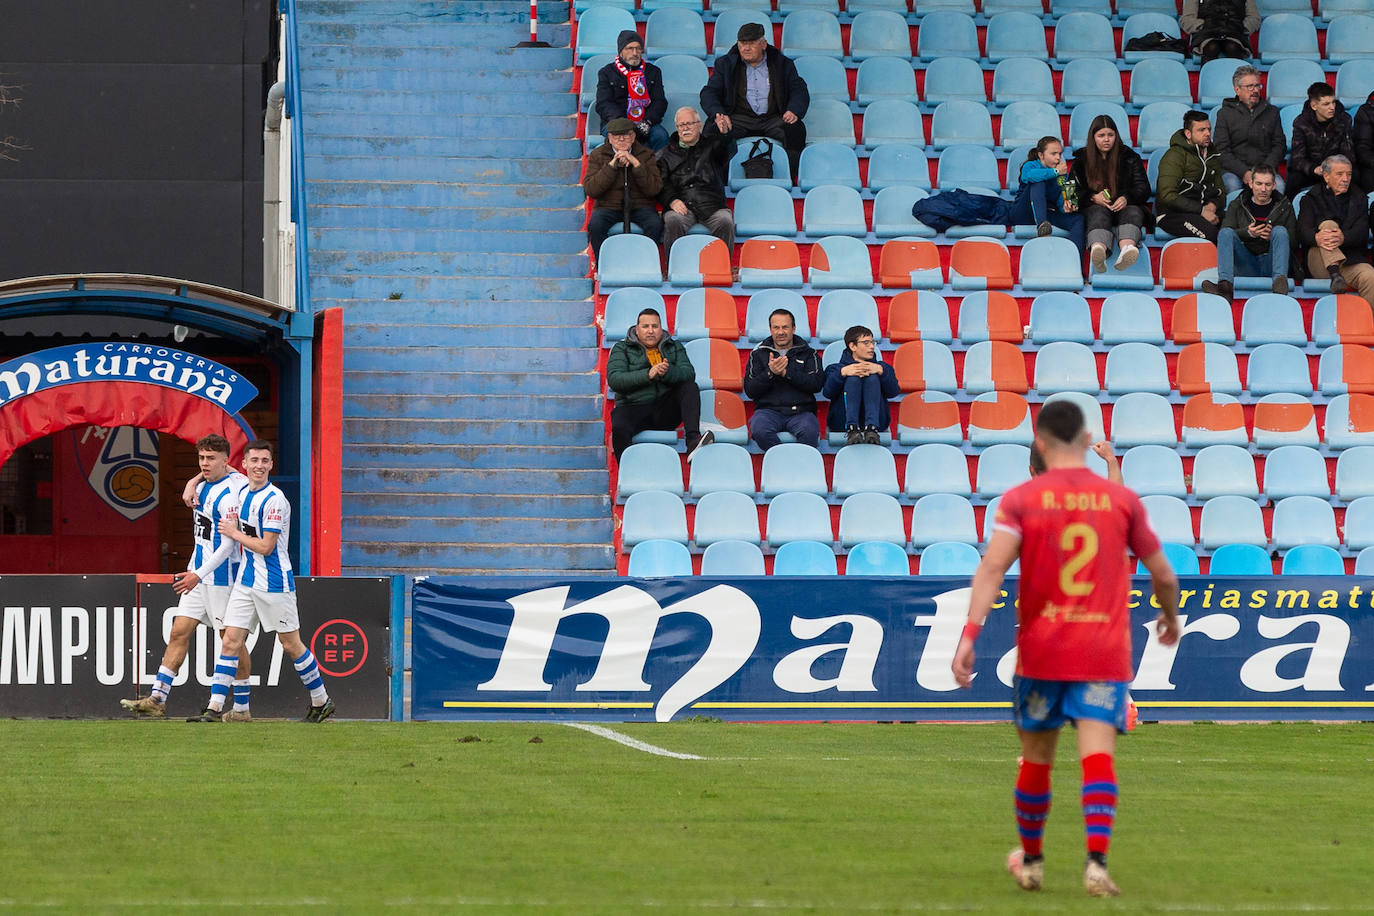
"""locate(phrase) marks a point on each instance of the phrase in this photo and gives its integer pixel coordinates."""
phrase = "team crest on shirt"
(121, 467)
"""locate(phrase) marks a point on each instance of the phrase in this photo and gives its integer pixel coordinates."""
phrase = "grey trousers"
(1098, 222)
(721, 224)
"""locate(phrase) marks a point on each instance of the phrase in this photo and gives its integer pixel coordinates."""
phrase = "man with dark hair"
(859, 387)
(630, 87)
(1262, 221)
(1334, 228)
(623, 181)
(694, 171)
(655, 386)
(1189, 193)
(756, 91)
(782, 377)
(1071, 530)
(1322, 129)
(1219, 28)
(1248, 130)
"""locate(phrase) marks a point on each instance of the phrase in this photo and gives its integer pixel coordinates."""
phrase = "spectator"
(859, 387)
(655, 386)
(1046, 196)
(1114, 192)
(622, 180)
(755, 91)
(1219, 28)
(1248, 130)
(1321, 130)
(1334, 227)
(694, 174)
(1262, 220)
(1363, 141)
(782, 377)
(631, 87)
(1190, 192)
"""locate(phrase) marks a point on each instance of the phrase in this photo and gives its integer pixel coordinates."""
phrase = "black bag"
(1157, 41)
(759, 164)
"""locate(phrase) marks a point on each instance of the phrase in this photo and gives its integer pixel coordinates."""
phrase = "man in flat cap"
(755, 91)
(622, 181)
(631, 87)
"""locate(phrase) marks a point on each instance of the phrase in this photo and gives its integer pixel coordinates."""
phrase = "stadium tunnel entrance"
(107, 381)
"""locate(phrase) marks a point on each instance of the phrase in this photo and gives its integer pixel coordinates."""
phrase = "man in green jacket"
(1189, 195)
(655, 386)
(1258, 235)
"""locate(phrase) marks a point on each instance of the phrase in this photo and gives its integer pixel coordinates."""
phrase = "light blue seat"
(1353, 79)
(1324, 324)
(1289, 79)
(1019, 79)
(1025, 122)
(988, 367)
(885, 78)
(732, 558)
(1010, 420)
(1001, 467)
(622, 311)
(1143, 418)
(830, 6)
(994, 8)
(942, 517)
(829, 121)
(765, 209)
(1127, 8)
(798, 516)
(863, 6)
(1181, 558)
(1170, 518)
(765, 302)
(1286, 35)
(650, 5)
(1359, 523)
(937, 468)
(1364, 562)
(1355, 472)
(1276, 415)
(1061, 8)
(690, 322)
(1270, 7)
(590, 68)
(1152, 169)
(1350, 38)
(973, 318)
(1083, 35)
(958, 122)
(1143, 24)
(659, 558)
(865, 469)
(1272, 318)
(598, 28)
(850, 266)
(649, 466)
(1330, 9)
(1287, 115)
(967, 166)
(1083, 114)
(1214, 321)
(782, 169)
(583, 5)
(1313, 560)
(729, 20)
(1295, 470)
(1342, 431)
(877, 558)
(945, 33)
(825, 77)
(682, 75)
(629, 260)
(1157, 123)
(892, 216)
(725, 516)
(1277, 368)
(1092, 414)
(674, 30)
(1091, 79)
(949, 558)
(1240, 560)
(1015, 34)
(721, 466)
(894, 164)
(1224, 470)
(792, 468)
(828, 164)
(954, 79)
(916, 425)
(832, 209)
(1160, 80)
(1138, 276)
(1060, 316)
(1154, 469)
(651, 514)
(841, 309)
(1232, 520)
(1051, 263)
(871, 517)
(1066, 366)
(809, 31)
(1132, 317)
(804, 558)
(1214, 84)
(879, 33)
(892, 121)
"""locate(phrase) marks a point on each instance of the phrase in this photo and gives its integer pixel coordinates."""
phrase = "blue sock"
(310, 676)
(225, 669)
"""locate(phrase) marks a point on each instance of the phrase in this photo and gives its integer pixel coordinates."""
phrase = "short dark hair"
(214, 442)
(1061, 419)
(1264, 168)
(1037, 461)
(853, 334)
(776, 312)
(650, 311)
(1319, 90)
(260, 445)
(1192, 116)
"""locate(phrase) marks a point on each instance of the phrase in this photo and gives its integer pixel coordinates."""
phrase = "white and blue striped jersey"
(216, 558)
(261, 511)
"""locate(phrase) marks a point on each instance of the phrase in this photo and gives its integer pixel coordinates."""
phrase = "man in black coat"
(1364, 144)
(781, 378)
(1333, 224)
(755, 91)
(631, 87)
(1320, 130)
(694, 173)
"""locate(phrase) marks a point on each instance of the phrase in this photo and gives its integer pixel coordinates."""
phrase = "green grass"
(796, 818)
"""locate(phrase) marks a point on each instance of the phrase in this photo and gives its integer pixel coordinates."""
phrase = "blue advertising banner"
(776, 648)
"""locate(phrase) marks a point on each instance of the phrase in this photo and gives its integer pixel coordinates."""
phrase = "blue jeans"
(1234, 258)
(1033, 206)
(863, 400)
(766, 424)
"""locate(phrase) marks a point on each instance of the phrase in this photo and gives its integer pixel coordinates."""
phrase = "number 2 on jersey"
(1082, 539)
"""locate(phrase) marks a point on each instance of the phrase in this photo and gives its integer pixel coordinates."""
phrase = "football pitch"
(836, 818)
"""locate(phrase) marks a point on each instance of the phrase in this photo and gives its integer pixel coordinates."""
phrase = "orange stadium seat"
(717, 364)
(1204, 367)
(706, 312)
(1202, 317)
(1184, 261)
(910, 264)
(1343, 319)
(922, 365)
(990, 315)
(997, 417)
(1285, 419)
(929, 416)
(994, 365)
(980, 263)
(1346, 369)
(918, 315)
(770, 262)
(699, 260)
(722, 412)
(1350, 420)
(1213, 419)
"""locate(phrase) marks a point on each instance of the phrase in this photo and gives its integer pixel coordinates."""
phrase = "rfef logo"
(339, 647)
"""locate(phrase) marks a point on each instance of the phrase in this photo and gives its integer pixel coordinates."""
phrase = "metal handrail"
(294, 113)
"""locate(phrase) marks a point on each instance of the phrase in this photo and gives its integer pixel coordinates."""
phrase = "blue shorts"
(1046, 705)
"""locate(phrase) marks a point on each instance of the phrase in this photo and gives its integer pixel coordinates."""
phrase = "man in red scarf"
(631, 87)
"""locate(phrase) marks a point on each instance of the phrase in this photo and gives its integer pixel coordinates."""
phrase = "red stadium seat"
(980, 263)
(910, 264)
(906, 312)
(994, 365)
(997, 417)
(923, 365)
(929, 416)
(765, 262)
(1213, 419)
(1183, 261)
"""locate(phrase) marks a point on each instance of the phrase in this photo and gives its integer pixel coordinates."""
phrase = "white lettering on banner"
(24, 376)
(1323, 672)
(793, 672)
(11, 381)
(22, 648)
(1157, 662)
(109, 621)
(76, 638)
(633, 616)
(951, 612)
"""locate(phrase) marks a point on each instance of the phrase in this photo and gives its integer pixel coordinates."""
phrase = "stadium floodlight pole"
(534, 41)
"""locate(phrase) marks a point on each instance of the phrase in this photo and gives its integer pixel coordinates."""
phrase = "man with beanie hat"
(755, 91)
(622, 180)
(630, 87)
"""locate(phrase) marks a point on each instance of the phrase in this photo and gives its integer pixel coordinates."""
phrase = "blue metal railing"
(294, 113)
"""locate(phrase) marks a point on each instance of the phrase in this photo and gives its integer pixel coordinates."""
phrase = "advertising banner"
(73, 646)
(761, 648)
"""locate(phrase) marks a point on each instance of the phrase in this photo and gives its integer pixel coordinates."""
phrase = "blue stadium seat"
(765, 209)
(1158, 80)
(1020, 78)
(1213, 418)
(792, 468)
(1214, 84)
(1136, 367)
(658, 558)
(1286, 35)
(832, 209)
(841, 309)
(1051, 263)
(1272, 318)
(1295, 470)
(782, 169)
(937, 468)
(764, 302)
(703, 312)
(1313, 560)
(871, 517)
(1359, 523)
(682, 76)
(1083, 115)
(732, 558)
(885, 78)
(1127, 8)
(1170, 518)
(830, 6)
(1061, 8)
(1001, 467)
(1181, 558)
(1060, 316)
(1240, 560)
(829, 121)
(863, 6)
(982, 310)
(809, 31)
(1212, 320)
(650, 5)
(1350, 38)
(583, 5)
(721, 466)
(1143, 24)
(828, 163)
(967, 166)
(892, 121)
(1025, 122)
(892, 217)
(1154, 470)
(1224, 470)
(1232, 520)
(629, 260)
(849, 266)
(879, 33)
(956, 122)
(804, 558)
(945, 33)
(597, 29)
(942, 517)
(1131, 317)
(1355, 473)
(797, 516)
(954, 79)
(1289, 79)
(1084, 35)
(1157, 123)
(1270, 7)
(1142, 418)
(999, 417)
(1364, 562)
(1091, 79)
(993, 8)
(1092, 413)
(651, 514)
(649, 466)
(724, 516)
(1287, 114)
(1330, 9)
(994, 365)
(1346, 423)
(1353, 80)
(1341, 319)
(729, 20)
(825, 78)
(1278, 367)
(949, 558)
(1015, 34)
(929, 417)
(1285, 419)
(590, 68)
(673, 30)
(622, 311)
(699, 259)
(1152, 167)
(877, 558)
(894, 164)
(1066, 366)
(865, 469)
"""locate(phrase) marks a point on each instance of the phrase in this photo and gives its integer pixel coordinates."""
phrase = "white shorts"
(274, 610)
(206, 604)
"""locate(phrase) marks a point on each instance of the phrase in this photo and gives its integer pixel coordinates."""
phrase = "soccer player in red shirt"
(1071, 529)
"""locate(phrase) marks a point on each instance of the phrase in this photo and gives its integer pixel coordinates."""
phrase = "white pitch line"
(630, 742)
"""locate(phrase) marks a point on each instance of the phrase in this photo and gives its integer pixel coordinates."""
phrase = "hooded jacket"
(786, 89)
(1246, 138)
(793, 392)
(627, 369)
(605, 183)
(1238, 217)
(834, 391)
(1189, 177)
